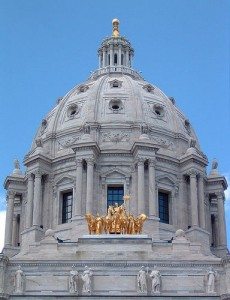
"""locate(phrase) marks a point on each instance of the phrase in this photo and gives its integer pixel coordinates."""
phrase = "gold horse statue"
(117, 221)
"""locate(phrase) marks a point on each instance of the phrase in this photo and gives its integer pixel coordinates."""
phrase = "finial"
(16, 170)
(115, 23)
(214, 170)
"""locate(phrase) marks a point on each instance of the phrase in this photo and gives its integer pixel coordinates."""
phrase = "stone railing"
(115, 69)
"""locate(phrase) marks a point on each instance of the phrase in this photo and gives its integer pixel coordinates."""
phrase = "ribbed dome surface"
(123, 108)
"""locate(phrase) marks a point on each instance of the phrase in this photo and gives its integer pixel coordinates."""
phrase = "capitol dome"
(115, 190)
(113, 135)
(117, 107)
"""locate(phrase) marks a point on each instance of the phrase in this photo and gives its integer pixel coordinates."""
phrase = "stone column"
(141, 185)
(221, 219)
(78, 199)
(89, 185)
(103, 58)
(37, 199)
(9, 218)
(193, 197)
(14, 231)
(152, 189)
(182, 205)
(127, 57)
(30, 196)
(201, 201)
(119, 55)
(111, 55)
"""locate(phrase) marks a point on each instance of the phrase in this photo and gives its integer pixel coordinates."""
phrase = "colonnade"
(90, 161)
(34, 193)
(107, 54)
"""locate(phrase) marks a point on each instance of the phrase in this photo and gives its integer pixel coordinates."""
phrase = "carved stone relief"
(163, 142)
(67, 142)
(115, 136)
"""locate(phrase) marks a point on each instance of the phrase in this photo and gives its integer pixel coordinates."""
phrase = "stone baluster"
(89, 185)
(201, 204)
(37, 199)
(78, 200)
(30, 197)
(141, 185)
(221, 219)
(193, 197)
(152, 189)
(9, 218)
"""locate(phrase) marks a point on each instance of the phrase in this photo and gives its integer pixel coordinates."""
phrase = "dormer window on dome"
(115, 83)
(82, 88)
(149, 88)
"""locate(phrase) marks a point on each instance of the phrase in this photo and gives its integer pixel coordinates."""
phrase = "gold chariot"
(117, 221)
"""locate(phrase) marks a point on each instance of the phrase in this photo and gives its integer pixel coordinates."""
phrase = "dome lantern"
(116, 52)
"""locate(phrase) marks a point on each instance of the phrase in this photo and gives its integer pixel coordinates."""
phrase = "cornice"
(120, 264)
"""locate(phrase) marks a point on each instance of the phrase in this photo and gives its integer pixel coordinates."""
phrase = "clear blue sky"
(48, 46)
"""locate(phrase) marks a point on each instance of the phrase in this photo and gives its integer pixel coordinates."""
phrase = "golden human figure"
(115, 23)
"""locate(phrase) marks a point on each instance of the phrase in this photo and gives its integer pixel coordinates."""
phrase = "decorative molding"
(163, 142)
(115, 137)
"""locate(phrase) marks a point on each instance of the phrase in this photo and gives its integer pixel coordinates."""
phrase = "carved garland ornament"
(115, 137)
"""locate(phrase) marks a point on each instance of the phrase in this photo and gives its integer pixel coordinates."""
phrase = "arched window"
(115, 58)
(109, 59)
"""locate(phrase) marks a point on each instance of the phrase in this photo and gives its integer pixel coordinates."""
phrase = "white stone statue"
(73, 281)
(142, 280)
(87, 280)
(156, 281)
(210, 280)
(19, 281)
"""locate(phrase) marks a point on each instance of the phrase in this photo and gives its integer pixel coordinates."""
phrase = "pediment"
(115, 173)
(167, 180)
(66, 179)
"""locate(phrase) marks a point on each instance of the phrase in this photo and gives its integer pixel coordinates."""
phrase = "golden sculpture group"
(116, 221)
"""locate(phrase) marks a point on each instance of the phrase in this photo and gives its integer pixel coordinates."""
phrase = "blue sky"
(49, 46)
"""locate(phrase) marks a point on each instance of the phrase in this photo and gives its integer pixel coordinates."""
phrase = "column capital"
(152, 162)
(30, 176)
(140, 160)
(90, 160)
(11, 194)
(219, 195)
(192, 172)
(38, 174)
(79, 162)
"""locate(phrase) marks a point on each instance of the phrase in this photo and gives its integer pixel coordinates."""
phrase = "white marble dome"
(122, 106)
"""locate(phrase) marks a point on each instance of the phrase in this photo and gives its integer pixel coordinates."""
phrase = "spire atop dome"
(115, 23)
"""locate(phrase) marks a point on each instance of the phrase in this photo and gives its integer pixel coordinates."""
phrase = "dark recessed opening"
(158, 112)
(115, 106)
(73, 112)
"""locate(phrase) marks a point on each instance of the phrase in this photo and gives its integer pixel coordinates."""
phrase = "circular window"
(158, 110)
(72, 111)
(115, 105)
